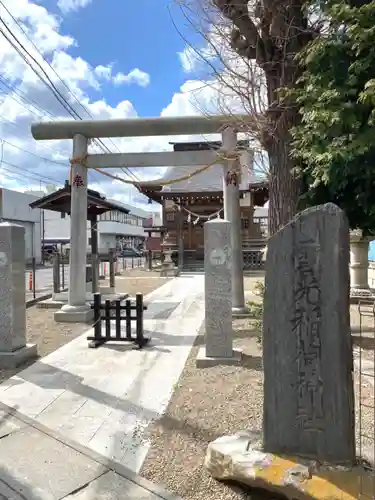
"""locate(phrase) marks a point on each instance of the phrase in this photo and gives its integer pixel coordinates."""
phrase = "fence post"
(108, 319)
(62, 260)
(132, 262)
(97, 316)
(139, 317)
(128, 318)
(111, 270)
(56, 273)
(118, 319)
(34, 275)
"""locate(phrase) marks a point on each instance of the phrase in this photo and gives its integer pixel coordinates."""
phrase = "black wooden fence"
(118, 313)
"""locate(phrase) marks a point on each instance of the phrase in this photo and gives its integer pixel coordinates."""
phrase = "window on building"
(114, 216)
(170, 216)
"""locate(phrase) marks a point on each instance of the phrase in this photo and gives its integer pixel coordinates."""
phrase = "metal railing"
(363, 341)
(60, 265)
(121, 265)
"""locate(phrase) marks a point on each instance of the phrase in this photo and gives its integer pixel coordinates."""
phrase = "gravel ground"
(180, 438)
(49, 335)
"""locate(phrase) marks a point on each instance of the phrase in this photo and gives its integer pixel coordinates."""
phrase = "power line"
(62, 163)
(50, 84)
(34, 154)
(24, 97)
(27, 173)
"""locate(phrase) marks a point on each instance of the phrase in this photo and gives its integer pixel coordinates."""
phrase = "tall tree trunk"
(272, 34)
(284, 188)
(282, 115)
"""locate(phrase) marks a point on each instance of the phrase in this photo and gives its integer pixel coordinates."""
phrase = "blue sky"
(129, 34)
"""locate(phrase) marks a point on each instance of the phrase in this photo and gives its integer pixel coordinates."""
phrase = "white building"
(14, 208)
(115, 228)
(119, 229)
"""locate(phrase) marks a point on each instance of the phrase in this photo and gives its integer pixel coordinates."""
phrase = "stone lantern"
(169, 246)
(359, 264)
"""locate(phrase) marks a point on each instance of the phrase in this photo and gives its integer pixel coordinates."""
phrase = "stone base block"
(74, 316)
(50, 304)
(203, 361)
(361, 294)
(58, 304)
(170, 272)
(16, 358)
(240, 312)
(239, 458)
(106, 290)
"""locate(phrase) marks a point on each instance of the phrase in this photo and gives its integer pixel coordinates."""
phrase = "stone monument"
(307, 353)
(218, 296)
(13, 347)
(308, 445)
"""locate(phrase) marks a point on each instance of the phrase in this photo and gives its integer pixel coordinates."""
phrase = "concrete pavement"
(105, 399)
(39, 464)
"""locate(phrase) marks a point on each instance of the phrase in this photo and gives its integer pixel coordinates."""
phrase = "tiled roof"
(138, 212)
(208, 180)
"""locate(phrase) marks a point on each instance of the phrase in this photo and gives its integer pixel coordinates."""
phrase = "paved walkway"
(38, 464)
(104, 399)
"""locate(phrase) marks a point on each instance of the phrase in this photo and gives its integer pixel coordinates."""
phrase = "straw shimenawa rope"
(229, 155)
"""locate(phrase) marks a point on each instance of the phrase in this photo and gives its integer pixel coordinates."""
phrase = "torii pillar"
(232, 213)
(77, 310)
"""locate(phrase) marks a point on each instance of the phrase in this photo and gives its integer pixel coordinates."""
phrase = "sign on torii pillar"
(77, 310)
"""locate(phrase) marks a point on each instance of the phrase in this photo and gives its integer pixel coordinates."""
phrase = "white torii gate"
(77, 310)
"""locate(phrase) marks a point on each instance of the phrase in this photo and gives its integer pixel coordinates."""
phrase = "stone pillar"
(232, 212)
(218, 262)
(359, 263)
(13, 347)
(77, 310)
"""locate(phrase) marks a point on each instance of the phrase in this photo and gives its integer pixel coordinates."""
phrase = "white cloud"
(192, 59)
(67, 6)
(135, 76)
(26, 163)
(189, 59)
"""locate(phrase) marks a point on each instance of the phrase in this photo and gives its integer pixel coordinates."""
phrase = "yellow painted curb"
(322, 483)
(233, 458)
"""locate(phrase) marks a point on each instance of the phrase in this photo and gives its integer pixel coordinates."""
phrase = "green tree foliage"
(335, 142)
